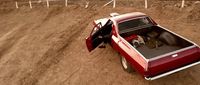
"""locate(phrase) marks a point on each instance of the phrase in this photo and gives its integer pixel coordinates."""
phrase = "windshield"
(134, 23)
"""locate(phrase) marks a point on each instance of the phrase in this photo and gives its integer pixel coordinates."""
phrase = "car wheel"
(168, 38)
(126, 66)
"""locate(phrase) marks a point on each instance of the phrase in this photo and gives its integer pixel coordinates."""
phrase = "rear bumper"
(173, 71)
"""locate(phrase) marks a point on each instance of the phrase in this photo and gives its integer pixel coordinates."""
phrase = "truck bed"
(176, 51)
(164, 47)
(150, 53)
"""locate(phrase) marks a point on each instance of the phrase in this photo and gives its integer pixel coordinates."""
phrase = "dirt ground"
(47, 46)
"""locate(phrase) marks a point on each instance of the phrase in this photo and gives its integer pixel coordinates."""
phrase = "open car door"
(95, 39)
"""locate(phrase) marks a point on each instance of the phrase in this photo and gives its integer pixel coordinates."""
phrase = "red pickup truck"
(149, 48)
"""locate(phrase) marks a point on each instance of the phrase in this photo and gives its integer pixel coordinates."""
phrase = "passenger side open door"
(94, 39)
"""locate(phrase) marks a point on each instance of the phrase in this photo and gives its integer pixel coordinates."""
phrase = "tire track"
(55, 53)
(11, 38)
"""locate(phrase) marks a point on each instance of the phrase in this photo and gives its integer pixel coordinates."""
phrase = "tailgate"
(173, 61)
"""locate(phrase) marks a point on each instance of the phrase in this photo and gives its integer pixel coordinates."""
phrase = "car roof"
(127, 16)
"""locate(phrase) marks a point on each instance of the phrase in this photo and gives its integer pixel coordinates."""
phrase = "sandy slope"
(47, 47)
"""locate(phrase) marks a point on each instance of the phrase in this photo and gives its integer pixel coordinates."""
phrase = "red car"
(149, 48)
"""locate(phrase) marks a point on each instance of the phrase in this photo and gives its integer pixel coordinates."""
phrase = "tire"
(168, 38)
(135, 43)
(125, 65)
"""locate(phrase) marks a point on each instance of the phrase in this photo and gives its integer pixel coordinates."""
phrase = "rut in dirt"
(55, 53)
(12, 37)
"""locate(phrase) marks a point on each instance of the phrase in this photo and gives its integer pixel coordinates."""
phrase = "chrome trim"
(171, 53)
(197, 45)
(173, 71)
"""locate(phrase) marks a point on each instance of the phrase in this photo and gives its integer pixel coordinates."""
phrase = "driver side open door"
(94, 39)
